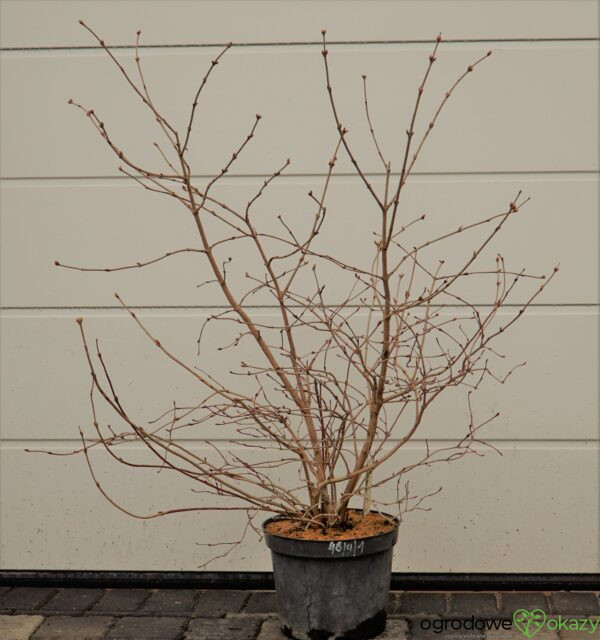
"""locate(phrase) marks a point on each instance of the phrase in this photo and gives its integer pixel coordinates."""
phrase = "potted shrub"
(342, 380)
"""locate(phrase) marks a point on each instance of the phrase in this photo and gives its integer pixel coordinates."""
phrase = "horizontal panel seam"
(570, 305)
(303, 43)
(421, 441)
(300, 306)
(233, 176)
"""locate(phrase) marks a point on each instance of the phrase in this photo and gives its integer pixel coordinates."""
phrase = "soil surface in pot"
(359, 526)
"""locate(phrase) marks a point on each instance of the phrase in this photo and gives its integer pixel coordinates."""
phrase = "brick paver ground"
(19, 627)
(511, 602)
(28, 613)
(73, 628)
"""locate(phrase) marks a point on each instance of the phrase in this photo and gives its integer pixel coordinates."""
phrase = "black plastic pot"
(332, 590)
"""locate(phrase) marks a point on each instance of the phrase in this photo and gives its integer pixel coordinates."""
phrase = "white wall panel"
(553, 398)
(114, 223)
(527, 119)
(298, 21)
(519, 512)
(525, 109)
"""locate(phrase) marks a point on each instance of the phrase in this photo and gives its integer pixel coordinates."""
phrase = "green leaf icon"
(529, 622)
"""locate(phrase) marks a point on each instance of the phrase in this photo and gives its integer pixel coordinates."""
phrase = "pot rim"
(327, 541)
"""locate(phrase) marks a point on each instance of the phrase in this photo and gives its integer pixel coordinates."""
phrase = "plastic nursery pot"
(332, 590)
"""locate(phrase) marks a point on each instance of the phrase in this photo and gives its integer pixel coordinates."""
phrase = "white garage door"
(527, 120)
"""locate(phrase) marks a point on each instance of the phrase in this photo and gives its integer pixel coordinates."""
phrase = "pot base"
(370, 628)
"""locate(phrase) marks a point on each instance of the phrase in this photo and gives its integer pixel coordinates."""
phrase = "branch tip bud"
(79, 320)
(56, 263)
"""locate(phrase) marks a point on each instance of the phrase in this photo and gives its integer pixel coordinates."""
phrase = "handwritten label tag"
(345, 549)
